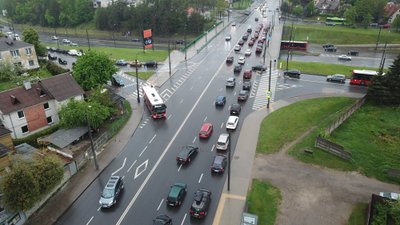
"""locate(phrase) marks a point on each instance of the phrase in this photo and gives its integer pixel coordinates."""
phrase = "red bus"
(294, 45)
(362, 77)
(154, 102)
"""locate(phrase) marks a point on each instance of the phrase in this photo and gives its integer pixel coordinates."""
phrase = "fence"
(332, 148)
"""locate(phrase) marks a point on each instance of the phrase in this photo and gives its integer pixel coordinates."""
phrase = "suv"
(237, 69)
(223, 142)
(111, 192)
(353, 53)
(219, 164)
(330, 49)
(201, 203)
(292, 73)
(177, 194)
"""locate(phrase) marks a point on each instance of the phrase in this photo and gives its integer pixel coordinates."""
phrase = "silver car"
(336, 78)
(111, 192)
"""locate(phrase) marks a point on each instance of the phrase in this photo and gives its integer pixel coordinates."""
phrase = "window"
(28, 51)
(49, 120)
(46, 105)
(14, 53)
(24, 129)
(31, 63)
(21, 114)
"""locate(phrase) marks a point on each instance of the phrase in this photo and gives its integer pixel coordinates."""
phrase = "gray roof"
(62, 138)
(15, 44)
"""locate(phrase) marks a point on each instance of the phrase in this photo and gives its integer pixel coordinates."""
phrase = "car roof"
(205, 126)
(230, 79)
(220, 97)
(243, 92)
(232, 118)
(235, 106)
(218, 159)
(338, 75)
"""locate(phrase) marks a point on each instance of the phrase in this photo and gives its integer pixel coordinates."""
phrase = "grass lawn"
(288, 123)
(323, 68)
(263, 200)
(142, 75)
(42, 73)
(242, 4)
(357, 216)
(340, 35)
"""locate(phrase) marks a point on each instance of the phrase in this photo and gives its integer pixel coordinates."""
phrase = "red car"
(247, 75)
(206, 130)
(251, 43)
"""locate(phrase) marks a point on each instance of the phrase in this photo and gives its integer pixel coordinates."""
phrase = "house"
(18, 53)
(327, 6)
(34, 107)
(6, 147)
(392, 10)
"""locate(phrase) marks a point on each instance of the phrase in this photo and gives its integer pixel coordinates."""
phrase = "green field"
(241, 4)
(321, 34)
(322, 68)
(263, 200)
(357, 216)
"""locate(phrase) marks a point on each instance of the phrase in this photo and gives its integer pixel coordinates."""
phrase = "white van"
(223, 142)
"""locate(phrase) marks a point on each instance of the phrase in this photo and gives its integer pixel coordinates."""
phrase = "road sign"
(268, 93)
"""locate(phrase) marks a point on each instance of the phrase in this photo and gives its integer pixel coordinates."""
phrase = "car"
(241, 42)
(54, 38)
(247, 75)
(62, 51)
(162, 220)
(256, 19)
(248, 52)
(66, 41)
(230, 82)
(256, 36)
(246, 85)
(229, 59)
(117, 81)
(258, 50)
(344, 57)
(222, 142)
(237, 48)
(292, 73)
(201, 203)
(52, 57)
(228, 37)
(176, 194)
(206, 130)
(241, 60)
(74, 52)
(244, 38)
(186, 154)
(219, 164)
(237, 69)
(73, 44)
(390, 195)
(251, 43)
(328, 46)
(220, 100)
(180, 42)
(232, 122)
(135, 39)
(259, 68)
(243, 95)
(331, 49)
(111, 192)
(121, 62)
(233, 24)
(62, 61)
(336, 78)
(235, 109)
(135, 63)
(152, 64)
(353, 53)
(249, 30)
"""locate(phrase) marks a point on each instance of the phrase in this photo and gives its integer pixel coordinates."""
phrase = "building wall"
(24, 58)
(36, 117)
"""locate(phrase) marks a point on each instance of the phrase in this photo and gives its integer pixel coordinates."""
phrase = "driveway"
(312, 195)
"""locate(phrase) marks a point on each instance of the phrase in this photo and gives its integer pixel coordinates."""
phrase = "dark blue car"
(220, 101)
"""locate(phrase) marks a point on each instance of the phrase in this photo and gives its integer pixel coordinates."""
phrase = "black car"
(151, 64)
(246, 85)
(117, 81)
(229, 59)
(176, 194)
(162, 220)
(330, 49)
(201, 203)
(220, 100)
(180, 42)
(111, 191)
(237, 69)
(235, 109)
(292, 73)
(241, 42)
(244, 38)
(243, 95)
(353, 53)
(52, 57)
(136, 39)
(186, 154)
(328, 46)
(219, 164)
(259, 68)
(62, 61)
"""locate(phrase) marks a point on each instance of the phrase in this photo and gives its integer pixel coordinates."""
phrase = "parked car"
(230, 82)
(245, 37)
(176, 194)
(62, 61)
(292, 73)
(344, 57)
(135, 63)
(241, 42)
(186, 154)
(220, 100)
(237, 48)
(121, 62)
(331, 49)
(135, 39)
(66, 41)
(353, 53)
(233, 24)
(241, 60)
(229, 59)
(250, 43)
(232, 122)
(74, 52)
(117, 81)
(237, 69)
(235, 109)
(258, 50)
(243, 95)
(246, 85)
(328, 46)
(111, 191)
(52, 57)
(219, 164)
(247, 75)
(206, 130)
(54, 38)
(73, 44)
(151, 64)
(336, 78)
(180, 42)
(201, 203)
(259, 68)
(390, 195)
(256, 19)
(162, 220)
(228, 37)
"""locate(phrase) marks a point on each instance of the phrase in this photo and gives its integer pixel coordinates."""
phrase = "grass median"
(142, 75)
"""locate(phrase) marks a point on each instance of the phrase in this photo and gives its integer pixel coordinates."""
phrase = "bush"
(54, 69)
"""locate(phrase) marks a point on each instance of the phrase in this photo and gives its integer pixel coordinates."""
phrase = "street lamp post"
(378, 38)
(87, 37)
(91, 141)
(114, 34)
(137, 80)
(185, 40)
(229, 161)
(169, 57)
(269, 82)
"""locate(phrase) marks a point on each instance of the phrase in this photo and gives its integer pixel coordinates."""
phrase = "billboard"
(147, 38)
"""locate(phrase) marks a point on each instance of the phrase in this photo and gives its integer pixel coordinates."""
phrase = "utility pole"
(169, 57)
(269, 83)
(383, 59)
(114, 34)
(229, 161)
(290, 45)
(87, 37)
(379, 37)
(91, 142)
(185, 40)
(137, 80)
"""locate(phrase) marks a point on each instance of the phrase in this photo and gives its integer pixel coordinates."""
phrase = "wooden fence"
(332, 148)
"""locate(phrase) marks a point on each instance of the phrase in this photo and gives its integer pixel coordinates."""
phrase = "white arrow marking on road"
(123, 164)
(201, 176)
(131, 166)
(169, 117)
(194, 140)
(159, 205)
(180, 166)
(184, 217)
(93, 217)
(139, 170)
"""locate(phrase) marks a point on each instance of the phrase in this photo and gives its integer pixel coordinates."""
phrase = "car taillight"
(191, 211)
(222, 170)
(202, 213)
(177, 158)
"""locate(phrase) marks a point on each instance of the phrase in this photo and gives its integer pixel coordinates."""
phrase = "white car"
(237, 48)
(55, 38)
(390, 195)
(248, 52)
(66, 41)
(74, 52)
(73, 44)
(344, 57)
(241, 60)
(232, 122)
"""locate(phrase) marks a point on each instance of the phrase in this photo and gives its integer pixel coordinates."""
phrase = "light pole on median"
(137, 80)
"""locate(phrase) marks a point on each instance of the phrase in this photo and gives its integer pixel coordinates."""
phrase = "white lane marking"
(222, 125)
(191, 88)
(169, 117)
(131, 166)
(123, 164)
(181, 101)
(121, 218)
(92, 219)
(201, 176)
(194, 140)
(184, 217)
(212, 148)
(234, 93)
(143, 151)
(152, 138)
(159, 205)
(98, 209)
(205, 118)
(139, 169)
(180, 166)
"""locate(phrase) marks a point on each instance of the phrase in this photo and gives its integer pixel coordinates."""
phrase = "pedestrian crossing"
(260, 89)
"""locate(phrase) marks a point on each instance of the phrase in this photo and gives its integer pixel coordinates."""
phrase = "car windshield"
(107, 193)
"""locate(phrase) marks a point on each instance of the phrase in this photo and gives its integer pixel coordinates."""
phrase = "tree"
(49, 172)
(93, 70)
(396, 23)
(7, 71)
(385, 89)
(309, 10)
(31, 36)
(298, 10)
(350, 14)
